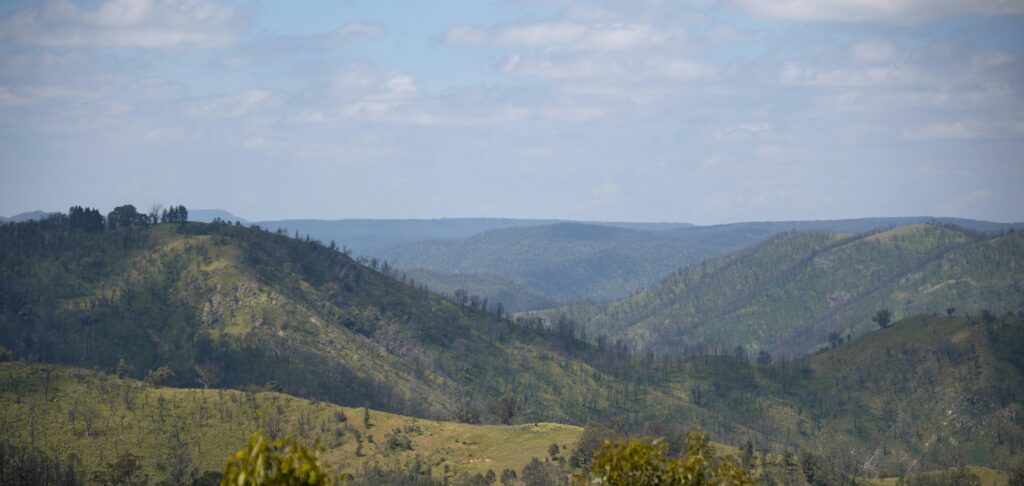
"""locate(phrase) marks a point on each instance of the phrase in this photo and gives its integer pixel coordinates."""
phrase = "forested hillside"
(497, 290)
(791, 293)
(223, 306)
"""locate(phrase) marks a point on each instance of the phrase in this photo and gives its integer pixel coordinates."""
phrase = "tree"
(160, 376)
(641, 463)
(207, 374)
(122, 369)
(553, 451)
(126, 216)
(266, 462)
(1017, 475)
(505, 408)
(179, 462)
(86, 219)
(125, 471)
(834, 339)
(883, 318)
(154, 212)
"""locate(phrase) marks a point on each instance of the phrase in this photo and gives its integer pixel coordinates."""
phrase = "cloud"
(546, 67)
(124, 23)
(348, 34)
(230, 106)
(796, 75)
(873, 51)
(564, 34)
(898, 11)
(966, 130)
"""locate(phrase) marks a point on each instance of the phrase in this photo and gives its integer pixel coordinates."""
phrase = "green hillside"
(225, 306)
(789, 293)
(231, 306)
(563, 261)
(496, 289)
(98, 417)
(735, 236)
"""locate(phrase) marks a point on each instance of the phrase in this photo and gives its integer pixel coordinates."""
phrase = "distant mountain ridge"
(562, 261)
(208, 215)
(788, 293)
(369, 237)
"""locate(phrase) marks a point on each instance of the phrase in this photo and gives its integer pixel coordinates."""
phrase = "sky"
(701, 111)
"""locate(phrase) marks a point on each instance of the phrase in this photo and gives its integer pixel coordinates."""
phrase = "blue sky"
(703, 111)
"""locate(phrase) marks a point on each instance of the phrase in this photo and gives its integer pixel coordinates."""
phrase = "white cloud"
(124, 23)
(546, 67)
(230, 106)
(466, 35)
(873, 51)
(796, 75)
(899, 11)
(966, 130)
(682, 69)
(564, 34)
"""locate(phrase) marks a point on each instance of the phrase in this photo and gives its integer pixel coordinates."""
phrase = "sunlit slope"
(928, 389)
(232, 306)
(786, 295)
(98, 417)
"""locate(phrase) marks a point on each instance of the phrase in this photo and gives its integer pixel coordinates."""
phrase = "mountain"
(369, 237)
(563, 261)
(28, 216)
(208, 215)
(788, 294)
(226, 306)
(512, 296)
(736, 236)
(232, 306)
(440, 244)
(69, 409)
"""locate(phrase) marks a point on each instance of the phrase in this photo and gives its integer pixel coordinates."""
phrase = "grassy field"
(97, 417)
(988, 477)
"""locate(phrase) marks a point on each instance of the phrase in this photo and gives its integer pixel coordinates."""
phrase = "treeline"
(125, 216)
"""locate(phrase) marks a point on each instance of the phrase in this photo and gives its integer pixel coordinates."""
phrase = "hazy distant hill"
(369, 237)
(561, 261)
(787, 294)
(741, 235)
(28, 216)
(496, 289)
(208, 215)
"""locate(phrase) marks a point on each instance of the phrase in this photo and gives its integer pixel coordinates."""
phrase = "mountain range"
(225, 306)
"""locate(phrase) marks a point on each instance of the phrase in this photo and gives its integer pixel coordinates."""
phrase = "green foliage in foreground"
(641, 463)
(281, 462)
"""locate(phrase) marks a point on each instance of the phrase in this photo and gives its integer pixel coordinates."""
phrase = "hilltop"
(788, 294)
